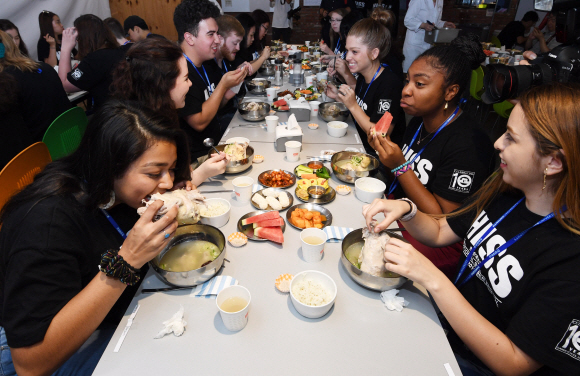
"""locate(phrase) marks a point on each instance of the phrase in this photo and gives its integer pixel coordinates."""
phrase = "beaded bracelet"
(113, 265)
(400, 167)
(403, 170)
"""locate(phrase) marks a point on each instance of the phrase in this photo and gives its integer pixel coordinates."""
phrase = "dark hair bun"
(471, 48)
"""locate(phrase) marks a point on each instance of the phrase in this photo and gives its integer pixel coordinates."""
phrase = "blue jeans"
(83, 362)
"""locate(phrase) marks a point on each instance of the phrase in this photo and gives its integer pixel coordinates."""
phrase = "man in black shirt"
(136, 29)
(198, 35)
(514, 31)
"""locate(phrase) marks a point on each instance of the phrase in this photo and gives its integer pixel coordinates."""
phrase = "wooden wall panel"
(157, 13)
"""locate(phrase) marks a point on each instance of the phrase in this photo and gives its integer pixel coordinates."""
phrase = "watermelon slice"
(284, 108)
(280, 102)
(261, 217)
(270, 223)
(383, 125)
(271, 233)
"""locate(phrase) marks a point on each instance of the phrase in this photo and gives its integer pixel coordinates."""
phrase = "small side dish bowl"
(337, 128)
(218, 220)
(367, 189)
(316, 191)
(327, 283)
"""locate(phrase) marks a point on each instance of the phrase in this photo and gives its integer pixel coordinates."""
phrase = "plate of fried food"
(303, 216)
(277, 179)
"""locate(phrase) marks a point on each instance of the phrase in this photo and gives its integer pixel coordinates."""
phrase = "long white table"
(358, 336)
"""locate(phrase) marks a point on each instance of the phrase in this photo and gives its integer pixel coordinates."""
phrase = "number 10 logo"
(570, 342)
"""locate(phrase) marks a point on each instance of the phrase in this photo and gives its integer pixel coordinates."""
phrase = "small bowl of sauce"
(315, 165)
(316, 191)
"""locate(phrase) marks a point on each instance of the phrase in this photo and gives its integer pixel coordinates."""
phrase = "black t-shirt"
(198, 93)
(226, 67)
(49, 252)
(529, 291)
(42, 98)
(43, 50)
(331, 5)
(93, 73)
(509, 35)
(455, 164)
(392, 5)
(383, 95)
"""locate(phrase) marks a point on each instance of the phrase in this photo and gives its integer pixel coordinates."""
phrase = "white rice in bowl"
(311, 293)
(213, 209)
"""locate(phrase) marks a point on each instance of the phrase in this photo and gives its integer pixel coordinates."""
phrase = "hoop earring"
(112, 201)
(545, 174)
(446, 106)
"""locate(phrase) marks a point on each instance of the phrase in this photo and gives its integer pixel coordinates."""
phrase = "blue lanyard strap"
(209, 89)
(395, 182)
(368, 87)
(223, 63)
(114, 223)
(501, 248)
(337, 47)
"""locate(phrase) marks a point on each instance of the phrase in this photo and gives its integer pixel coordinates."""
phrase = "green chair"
(503, 109)
(476, 83)
(65, 133)
(495, 41)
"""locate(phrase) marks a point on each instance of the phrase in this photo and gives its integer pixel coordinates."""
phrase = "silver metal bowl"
(257, 89)
(333, 111)
(254, 115)
(365, 279)
(197, 276)
(266, 70)
(350, 176)
(233, 167)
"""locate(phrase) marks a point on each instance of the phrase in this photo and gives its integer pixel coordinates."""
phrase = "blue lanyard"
(126, 42)
(209, 89)
(224, 64)
(368, 87)
(500, 248)
(337, 47)
(395, 182)
(114, 223)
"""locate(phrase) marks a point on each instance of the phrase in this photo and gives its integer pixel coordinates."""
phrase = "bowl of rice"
(215, 212)
(312, 293)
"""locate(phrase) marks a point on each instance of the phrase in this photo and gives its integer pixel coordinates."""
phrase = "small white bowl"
(239, 140)
(220, 220)
(337, 128)
(373, 188)
(314, 312)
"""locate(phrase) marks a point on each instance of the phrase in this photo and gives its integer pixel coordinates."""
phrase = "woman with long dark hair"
(262, 21)
(98, 52)
(75, 216)
(155, 74)
(48, 47)
(12, 30)
(512, 306)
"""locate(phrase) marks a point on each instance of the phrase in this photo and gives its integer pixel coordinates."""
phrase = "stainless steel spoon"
(208, 142)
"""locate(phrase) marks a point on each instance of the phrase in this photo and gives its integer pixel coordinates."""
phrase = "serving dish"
(248, 230)
(193, 277)
(311, 207)
(327, 283)
(257, 85)
(350, 176)
(234, 167)
(263, 174)
(282, 191)
(327, 197)
(254, 115)
(364, 279)
(333, 111)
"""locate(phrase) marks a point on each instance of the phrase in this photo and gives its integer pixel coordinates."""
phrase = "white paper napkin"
(392, 301)
(211, 288)
(176, 325)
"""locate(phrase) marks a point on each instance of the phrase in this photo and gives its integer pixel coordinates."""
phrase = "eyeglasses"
(332, 20)
(265, 28)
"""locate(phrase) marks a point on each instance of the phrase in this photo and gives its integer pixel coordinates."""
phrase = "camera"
(295, 13)
(503, 82)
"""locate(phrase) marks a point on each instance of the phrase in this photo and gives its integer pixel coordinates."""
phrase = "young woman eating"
(377, 89)
(246, 47)
(155, 74)
(49, 43)
(262, 21)
(12, 30)
(73, 218)
(512, 308)
(337, 45)
(444, 157)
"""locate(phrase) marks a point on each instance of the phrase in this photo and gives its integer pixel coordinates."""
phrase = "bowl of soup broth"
(192, 257)
(349, 166)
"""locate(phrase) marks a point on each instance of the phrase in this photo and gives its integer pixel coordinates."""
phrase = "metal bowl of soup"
(342, 170)
(333, 111)
(257, 85)
(233, 167)
(187, 248)
(351, 248)
(251, 112)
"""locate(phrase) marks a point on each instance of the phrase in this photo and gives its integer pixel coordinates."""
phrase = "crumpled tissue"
(393, 302)
(176, 325)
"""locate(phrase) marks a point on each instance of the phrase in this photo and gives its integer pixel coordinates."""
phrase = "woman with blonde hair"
(512, 307)
(41, 97)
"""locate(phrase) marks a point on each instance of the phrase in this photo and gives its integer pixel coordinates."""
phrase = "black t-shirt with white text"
(455, 164)
(383, 95)
(198, 93)
(94, 73)
(530, 290)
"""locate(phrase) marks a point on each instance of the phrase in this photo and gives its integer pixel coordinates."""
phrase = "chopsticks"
(145, 291)
(219, 191)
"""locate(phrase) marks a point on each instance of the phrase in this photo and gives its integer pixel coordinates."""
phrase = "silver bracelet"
(411, 213)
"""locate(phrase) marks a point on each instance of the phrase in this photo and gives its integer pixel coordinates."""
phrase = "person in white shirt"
(542, 42)
(281, 24)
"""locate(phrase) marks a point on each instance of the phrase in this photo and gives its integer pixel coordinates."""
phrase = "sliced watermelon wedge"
(383, 125)
(261, 217)
(271, 233)
(270, 223)
(281, 102)
(284, 108)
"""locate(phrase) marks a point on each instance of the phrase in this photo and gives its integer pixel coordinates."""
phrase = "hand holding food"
(392, 209)
(187, 202)
(233, 78)
(346, 95)
(390, 154)
(69, 39)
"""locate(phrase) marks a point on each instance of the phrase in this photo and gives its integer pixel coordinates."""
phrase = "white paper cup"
(272, 123)
(234, 321)
(322, 76)
(307, 43)
(518, 58)
(313, 252)
(314, 108)
(284, 46)
(243, 188)
(306, 55)
(309, 80)
(271, 94)
(293, 150)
